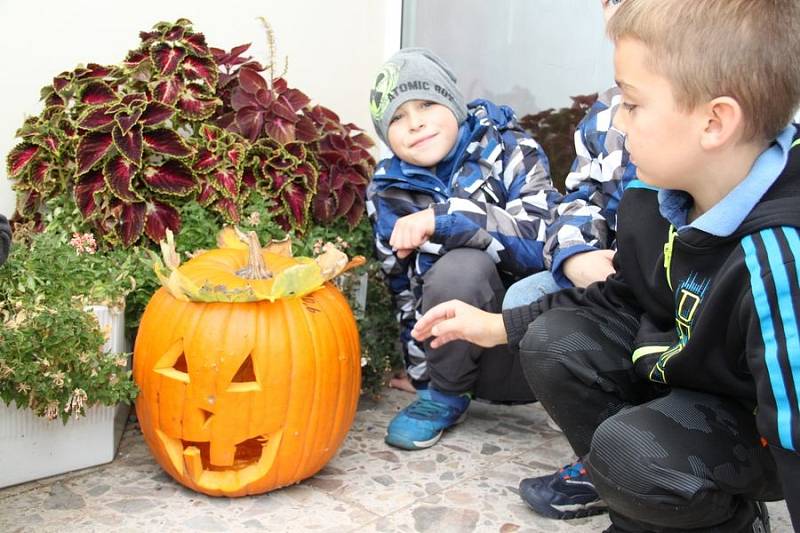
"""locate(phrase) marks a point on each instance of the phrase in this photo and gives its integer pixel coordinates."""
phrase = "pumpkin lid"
(240, 270)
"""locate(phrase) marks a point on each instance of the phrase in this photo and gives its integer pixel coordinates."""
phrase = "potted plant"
(64, 374)
(183, 136)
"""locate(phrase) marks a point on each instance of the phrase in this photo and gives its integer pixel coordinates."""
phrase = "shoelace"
(572, 470)
(425, 408)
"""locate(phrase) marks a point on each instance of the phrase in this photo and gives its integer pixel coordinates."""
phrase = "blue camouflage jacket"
(492, 192)
(586, 219)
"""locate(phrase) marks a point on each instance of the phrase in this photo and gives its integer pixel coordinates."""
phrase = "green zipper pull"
(668, 253)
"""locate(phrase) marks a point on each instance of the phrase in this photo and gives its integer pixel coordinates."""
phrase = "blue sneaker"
(569, 493)
(422, 423)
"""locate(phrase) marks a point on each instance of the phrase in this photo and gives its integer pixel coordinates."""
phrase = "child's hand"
(412, 231)
(586, 268)
(455, 320)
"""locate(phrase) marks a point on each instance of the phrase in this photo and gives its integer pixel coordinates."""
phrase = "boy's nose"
(618, 122)
(415, 120)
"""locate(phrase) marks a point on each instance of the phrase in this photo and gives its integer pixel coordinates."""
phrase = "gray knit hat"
(413, 74)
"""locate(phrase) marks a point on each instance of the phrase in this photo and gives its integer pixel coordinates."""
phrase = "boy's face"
(664, 142)
(422, 133)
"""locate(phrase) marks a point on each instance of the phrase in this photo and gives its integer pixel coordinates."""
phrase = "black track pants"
(471, 276)
(663, 459)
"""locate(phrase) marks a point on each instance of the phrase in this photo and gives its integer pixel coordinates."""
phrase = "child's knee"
(464, 274)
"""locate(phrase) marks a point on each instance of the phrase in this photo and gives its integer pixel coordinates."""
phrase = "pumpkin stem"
(256, 268)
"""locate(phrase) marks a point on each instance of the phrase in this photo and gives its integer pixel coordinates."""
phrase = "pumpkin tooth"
(193, 462)
(222, 453)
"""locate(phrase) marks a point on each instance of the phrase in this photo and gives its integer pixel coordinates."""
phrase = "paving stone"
(467, 482)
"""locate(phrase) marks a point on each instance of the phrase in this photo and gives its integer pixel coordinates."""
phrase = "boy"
(678, 378)
(459, 211)
(579, 251)
(581, 239)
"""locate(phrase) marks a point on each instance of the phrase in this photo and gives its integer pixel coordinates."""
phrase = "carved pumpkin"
(256, 386)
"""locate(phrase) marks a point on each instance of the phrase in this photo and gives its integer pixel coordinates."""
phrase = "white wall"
(334, 47)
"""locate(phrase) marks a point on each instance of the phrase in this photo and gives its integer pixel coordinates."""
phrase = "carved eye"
(245, 379)
(173, 363)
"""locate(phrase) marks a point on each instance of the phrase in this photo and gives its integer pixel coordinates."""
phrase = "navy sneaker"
(422, 423)
(569, 493)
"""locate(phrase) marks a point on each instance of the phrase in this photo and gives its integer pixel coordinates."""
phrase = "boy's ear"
(722, 122)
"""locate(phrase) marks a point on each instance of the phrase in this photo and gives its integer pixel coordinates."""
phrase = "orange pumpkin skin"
(244, 398)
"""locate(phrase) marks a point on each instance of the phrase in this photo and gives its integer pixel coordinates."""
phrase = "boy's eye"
(629, 107)
(426, 104)
(394, 119)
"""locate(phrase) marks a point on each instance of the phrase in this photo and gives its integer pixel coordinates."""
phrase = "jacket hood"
(779, 206)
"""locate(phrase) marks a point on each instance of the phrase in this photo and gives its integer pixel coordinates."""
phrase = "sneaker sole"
(407, 444)
(565, 512)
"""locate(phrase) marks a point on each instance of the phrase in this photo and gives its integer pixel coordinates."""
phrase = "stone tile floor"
(467, 482)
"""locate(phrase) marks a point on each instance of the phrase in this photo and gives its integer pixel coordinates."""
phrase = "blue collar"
(729, 213)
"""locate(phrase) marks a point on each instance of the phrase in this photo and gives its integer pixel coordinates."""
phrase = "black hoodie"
(716, 314)
(5, 239)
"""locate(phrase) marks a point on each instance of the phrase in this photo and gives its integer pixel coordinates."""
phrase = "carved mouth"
(252, 460)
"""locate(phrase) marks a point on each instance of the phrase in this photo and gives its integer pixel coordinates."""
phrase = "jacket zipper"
(668, 254)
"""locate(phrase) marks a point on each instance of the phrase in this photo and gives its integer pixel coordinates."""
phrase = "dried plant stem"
(256, 267)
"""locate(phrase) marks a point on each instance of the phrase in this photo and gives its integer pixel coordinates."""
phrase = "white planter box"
(32, 447)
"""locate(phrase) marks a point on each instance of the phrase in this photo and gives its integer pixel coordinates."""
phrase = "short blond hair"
(748, 50)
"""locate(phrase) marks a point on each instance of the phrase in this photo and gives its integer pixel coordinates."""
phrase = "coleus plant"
(178, 121)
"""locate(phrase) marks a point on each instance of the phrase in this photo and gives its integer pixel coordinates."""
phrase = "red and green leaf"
(168, 91)
(166, 141)
(131, 222)
(19, 158)
(156, 113)
(208, 194)
(92, 147)
(119, 174)
(97, 93)
(160, 218)
(127, 119)
(196, 43)
(172, 178)
(194, 105)
(226, 181)
(50, 143)
(228, 209)
(130, 145)
(296, 199)
(205, 160)
(85, 190)
(40, 177)
(96, 119)
(355, 213)
(61, 82)
(175, 33)
(202, 68)
(135, 58)
(166, 58)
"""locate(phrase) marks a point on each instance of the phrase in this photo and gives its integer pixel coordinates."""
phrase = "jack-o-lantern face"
(242, 398)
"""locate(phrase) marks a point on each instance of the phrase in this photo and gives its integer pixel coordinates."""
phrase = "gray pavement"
(467, 482)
